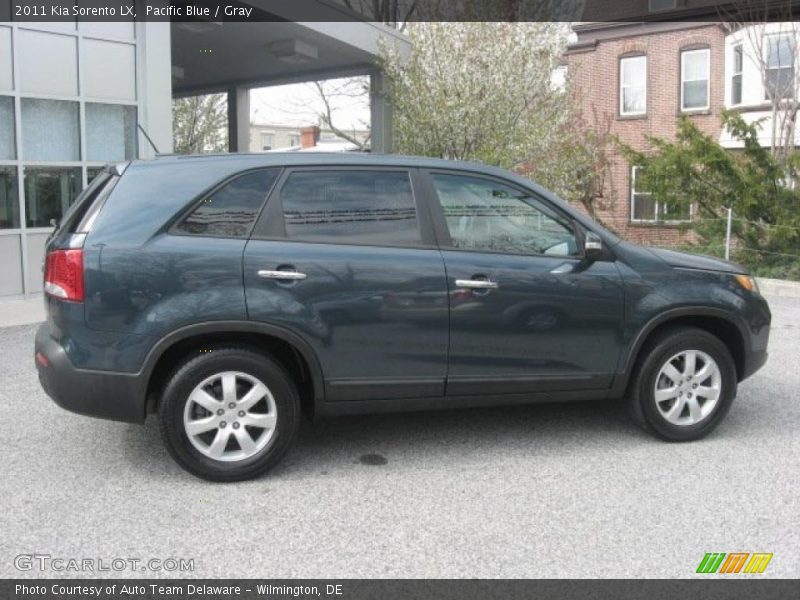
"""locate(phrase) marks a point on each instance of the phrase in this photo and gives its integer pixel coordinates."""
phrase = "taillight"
(63, 275)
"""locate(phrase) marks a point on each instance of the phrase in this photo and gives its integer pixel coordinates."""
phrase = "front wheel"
(685, 384)
(229, 414)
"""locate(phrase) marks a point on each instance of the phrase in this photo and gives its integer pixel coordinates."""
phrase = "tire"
(270, 420)
(680, 419)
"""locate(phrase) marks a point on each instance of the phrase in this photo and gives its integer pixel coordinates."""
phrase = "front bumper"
(103, 394)
(753, 362)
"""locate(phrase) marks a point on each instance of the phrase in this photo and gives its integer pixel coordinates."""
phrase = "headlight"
(748, 282)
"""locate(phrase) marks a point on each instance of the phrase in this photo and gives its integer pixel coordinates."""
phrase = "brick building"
(636, 79)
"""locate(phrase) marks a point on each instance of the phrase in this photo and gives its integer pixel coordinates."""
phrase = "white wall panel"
(10, 265)
(6, 73)
(35, 258)
(109, 70)
(48, 63)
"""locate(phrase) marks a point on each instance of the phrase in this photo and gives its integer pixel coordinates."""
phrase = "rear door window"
(230, 210)
(368, 207)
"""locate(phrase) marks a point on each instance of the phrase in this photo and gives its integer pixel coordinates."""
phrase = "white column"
(380, 114)
(239, 119)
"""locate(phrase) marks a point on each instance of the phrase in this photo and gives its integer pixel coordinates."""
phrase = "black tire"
(641, 396)
(204, 365)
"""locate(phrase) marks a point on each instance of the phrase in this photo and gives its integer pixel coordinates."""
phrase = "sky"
(299, 104)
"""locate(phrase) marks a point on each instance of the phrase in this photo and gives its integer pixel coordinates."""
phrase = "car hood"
(685, 260)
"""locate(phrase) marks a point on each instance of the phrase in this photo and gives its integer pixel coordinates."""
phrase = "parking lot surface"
(562, 490)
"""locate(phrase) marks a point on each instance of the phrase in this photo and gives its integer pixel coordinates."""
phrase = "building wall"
(285, 136)
(70, 98)
(754, 105)
(594, 71)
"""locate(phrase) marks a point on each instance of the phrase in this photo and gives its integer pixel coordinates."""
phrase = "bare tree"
(354, 89)
(395, 13)
(770, 41)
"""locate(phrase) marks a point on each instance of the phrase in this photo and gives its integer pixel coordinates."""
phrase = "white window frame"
(778, 35)
(658, 208)
(684, 54)
(622, 87)
(266, 135)
(738, 47)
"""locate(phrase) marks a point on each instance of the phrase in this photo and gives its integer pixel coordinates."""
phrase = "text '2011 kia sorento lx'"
(233, 294)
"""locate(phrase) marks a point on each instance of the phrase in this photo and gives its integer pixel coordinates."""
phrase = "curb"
(779, 287)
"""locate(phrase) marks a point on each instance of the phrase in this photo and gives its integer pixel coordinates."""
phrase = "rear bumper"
(103, 394)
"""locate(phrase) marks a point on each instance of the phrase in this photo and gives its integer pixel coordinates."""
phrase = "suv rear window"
(230, 210)
(350, 207)
(75, 213)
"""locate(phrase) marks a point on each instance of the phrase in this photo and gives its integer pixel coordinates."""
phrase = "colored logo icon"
(734, 562)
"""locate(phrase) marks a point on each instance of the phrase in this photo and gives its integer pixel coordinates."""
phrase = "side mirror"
(592, 246)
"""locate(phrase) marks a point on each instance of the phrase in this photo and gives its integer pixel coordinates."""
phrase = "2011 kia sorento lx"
(233, 294)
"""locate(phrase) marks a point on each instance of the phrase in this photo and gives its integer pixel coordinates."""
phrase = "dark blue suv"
(233, 294)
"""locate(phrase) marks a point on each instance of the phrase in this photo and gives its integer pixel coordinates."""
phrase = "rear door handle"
(284, 275)
(477, 284)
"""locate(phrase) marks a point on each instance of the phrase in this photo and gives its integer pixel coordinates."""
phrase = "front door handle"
(284, 275)
(477, 284)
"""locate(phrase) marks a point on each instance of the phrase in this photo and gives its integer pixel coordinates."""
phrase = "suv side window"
(231, 210)
(351, 207)
(485, 215)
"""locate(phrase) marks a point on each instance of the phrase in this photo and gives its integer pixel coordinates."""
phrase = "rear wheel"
(229, 414)
(684, 385)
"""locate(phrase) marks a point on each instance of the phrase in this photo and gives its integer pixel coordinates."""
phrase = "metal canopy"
(213, 57)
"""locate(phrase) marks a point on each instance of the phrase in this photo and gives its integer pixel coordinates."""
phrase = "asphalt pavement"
(559, 490)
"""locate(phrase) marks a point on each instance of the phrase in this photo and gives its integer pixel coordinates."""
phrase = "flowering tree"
(485, 91)
(199, 124)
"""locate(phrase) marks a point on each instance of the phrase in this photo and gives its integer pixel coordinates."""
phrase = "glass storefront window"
(110, 132)
(92, 172)
(7, 149)
(9, 205)
(50, 130)
(48, 193)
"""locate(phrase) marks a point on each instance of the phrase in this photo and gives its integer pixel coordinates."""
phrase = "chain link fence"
(768, 250)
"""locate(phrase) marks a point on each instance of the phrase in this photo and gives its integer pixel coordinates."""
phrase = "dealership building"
(75, 96)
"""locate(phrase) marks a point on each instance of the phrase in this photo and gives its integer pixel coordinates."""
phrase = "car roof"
(321, 158)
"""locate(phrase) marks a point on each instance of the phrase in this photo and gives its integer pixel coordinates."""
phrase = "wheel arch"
(295, 354)
(719, 323)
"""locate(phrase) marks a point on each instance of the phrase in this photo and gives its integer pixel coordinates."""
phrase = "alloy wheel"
(230, 416)
(688, 387)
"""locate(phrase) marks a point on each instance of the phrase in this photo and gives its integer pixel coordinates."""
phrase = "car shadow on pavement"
(459, 435)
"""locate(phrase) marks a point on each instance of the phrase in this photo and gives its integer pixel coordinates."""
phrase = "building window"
(232, 209)
(645, 209)
(294, 140)
(633, 85)
(9, 205)
(50, 130)
(267, 140)
(736, 79)
(779, 76)
(351, 207)
(7, 147)
(49, 191)
(110, 132)
(92, 172)
(659, 5)
(695, 79)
